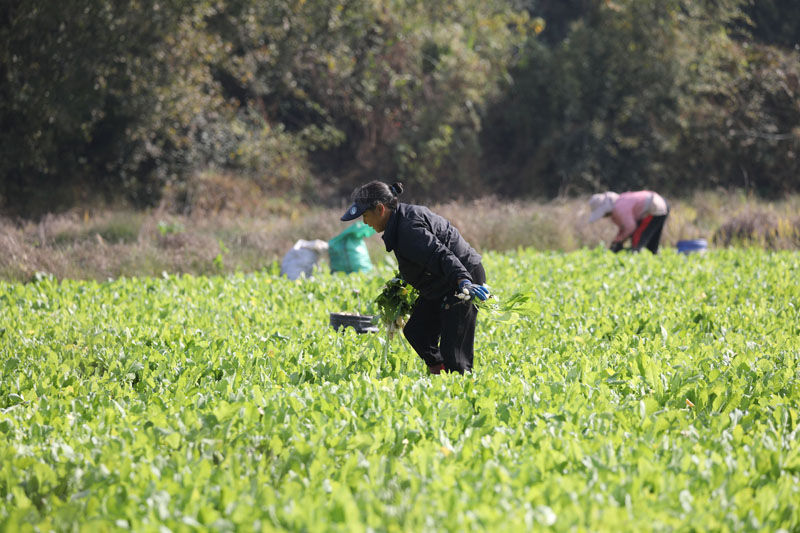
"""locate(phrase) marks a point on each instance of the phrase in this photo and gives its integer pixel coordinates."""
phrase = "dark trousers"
(443, 331)
(648, 233)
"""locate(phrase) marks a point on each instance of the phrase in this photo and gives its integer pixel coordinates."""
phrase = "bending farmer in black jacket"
(434, 258)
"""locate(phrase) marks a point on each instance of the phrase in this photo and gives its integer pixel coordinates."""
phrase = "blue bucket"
(692, 246)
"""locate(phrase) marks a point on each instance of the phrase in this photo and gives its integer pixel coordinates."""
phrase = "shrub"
(760, 228)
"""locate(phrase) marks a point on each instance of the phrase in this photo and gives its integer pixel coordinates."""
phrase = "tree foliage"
(98, 96)
(372, 88)
(774, 21)
(664, 94)
(537, 97)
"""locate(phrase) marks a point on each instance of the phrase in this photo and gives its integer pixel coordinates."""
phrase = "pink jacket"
(632, 207)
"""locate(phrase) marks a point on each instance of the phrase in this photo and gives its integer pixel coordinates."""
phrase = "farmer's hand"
(616, 246)
(481, 292)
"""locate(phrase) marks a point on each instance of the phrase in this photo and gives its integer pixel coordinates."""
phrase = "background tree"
(740, 118)
(99, 97)
(593, 109)
(672, 95)
(124, 100)
(372, 89)
(775, 22)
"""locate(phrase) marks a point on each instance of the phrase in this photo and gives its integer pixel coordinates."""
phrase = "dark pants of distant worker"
(648, 233)
(443, 331)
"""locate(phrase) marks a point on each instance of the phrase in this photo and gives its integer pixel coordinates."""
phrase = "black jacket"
(431, 254)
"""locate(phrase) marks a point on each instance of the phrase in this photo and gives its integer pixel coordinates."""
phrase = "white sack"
(300, 260)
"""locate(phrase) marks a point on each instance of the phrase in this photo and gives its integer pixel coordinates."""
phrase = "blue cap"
(355, 211)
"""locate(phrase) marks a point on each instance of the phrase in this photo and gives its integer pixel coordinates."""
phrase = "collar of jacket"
(390, 233)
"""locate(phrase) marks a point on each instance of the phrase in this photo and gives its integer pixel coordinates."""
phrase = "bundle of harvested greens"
(395, 303)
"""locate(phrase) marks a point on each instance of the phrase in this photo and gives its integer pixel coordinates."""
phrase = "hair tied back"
(396, 188)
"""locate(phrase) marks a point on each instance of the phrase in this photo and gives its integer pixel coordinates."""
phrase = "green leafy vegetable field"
(638, 393)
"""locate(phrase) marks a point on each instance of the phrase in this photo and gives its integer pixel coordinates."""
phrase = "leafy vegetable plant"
(395, 303)
(609, 393)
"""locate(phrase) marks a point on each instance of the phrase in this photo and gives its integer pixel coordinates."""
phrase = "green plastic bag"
(348, 251)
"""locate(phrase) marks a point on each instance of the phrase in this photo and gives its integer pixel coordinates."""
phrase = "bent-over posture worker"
(639, 215)
(434, 258)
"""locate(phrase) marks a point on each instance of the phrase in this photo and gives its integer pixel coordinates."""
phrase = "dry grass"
(222, 237)
(761, 228)
(491, 224)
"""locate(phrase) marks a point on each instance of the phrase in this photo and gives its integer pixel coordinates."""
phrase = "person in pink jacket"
(639, 215)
